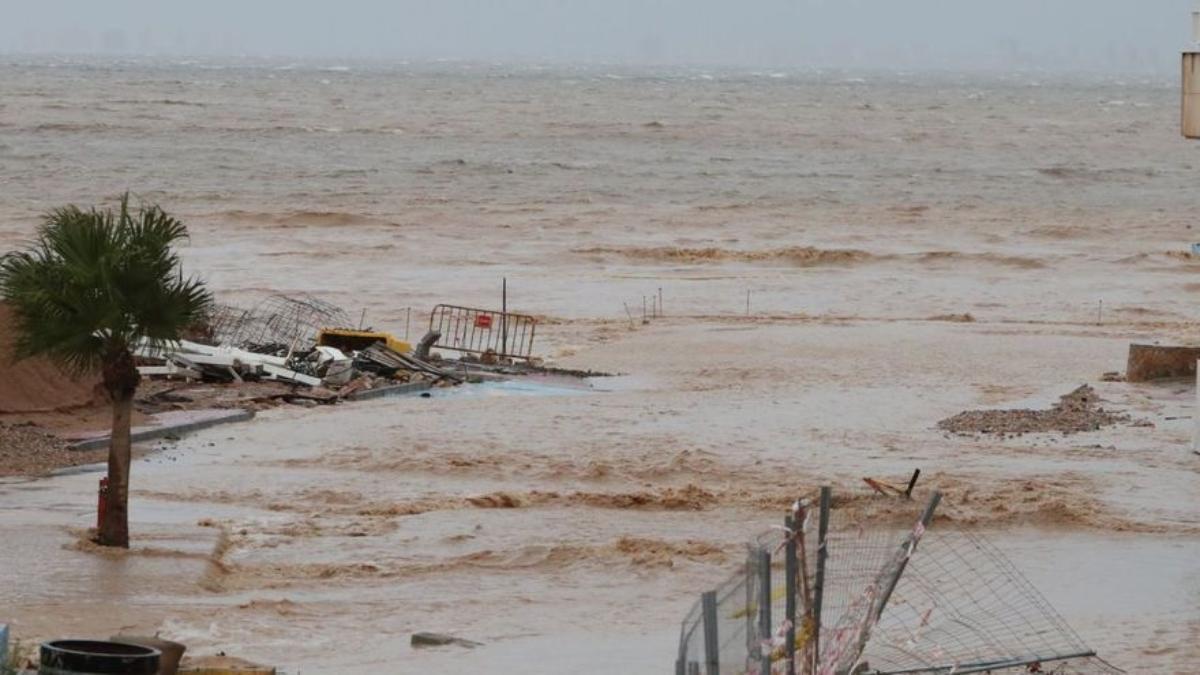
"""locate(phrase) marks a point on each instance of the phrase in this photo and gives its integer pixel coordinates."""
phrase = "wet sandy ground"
(571, 530)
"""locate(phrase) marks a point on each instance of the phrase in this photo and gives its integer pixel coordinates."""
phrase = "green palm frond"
(98, 282)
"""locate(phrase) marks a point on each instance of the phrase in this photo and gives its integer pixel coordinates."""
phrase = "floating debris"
(441, 640)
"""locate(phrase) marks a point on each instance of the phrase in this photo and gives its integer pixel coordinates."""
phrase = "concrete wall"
(1191, 94)
(1157, 362)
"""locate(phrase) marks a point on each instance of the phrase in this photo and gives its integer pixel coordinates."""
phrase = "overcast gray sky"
(1098, 35)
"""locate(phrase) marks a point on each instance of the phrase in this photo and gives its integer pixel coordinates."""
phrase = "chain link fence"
(856, 585)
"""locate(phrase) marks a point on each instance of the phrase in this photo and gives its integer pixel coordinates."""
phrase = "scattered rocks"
(26, 450)
(1075, 412)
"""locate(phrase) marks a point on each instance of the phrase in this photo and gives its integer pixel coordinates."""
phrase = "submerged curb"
(394, 390)
(170, 430)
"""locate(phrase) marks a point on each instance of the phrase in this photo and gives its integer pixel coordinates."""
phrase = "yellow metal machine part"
(350, 340)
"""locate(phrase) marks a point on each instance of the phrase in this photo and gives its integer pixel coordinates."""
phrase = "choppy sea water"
(595, 175)
(378, 139)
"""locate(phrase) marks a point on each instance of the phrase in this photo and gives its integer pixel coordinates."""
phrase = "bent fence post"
(712, 650)
(910, 545)
(819, 583)
(764, 608)
(790, 565)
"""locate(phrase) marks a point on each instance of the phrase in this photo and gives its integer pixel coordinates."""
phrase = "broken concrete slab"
(171, 370)
(222, 665)
(1159, 362)
(285, 375)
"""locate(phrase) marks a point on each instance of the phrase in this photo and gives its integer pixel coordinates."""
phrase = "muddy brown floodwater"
(864, 219)
(579, 525)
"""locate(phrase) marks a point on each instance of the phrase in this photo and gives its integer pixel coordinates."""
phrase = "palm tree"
(93, 287)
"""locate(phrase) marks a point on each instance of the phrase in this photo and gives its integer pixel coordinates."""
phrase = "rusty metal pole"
(101, 503)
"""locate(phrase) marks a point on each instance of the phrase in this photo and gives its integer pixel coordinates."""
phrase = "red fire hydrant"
(101, 503)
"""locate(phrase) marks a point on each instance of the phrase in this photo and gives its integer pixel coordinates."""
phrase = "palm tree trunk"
(121, 379)
(114, 531)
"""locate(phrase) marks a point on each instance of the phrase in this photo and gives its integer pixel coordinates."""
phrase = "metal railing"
(479, 331)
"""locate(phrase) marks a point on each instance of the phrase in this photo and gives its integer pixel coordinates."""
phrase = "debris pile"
(313, 366)
(304, 344)
(295, 350)
(1075, 412)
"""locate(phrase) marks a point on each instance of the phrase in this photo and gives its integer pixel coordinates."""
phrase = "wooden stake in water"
(407, 322)
(660, 307)
(1196, 415)
(1100, 313)
(747, 302)
(628, 314)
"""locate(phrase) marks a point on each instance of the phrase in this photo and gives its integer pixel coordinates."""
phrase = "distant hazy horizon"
(1065, 35)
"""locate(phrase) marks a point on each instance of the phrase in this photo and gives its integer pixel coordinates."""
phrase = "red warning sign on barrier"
(483, 321)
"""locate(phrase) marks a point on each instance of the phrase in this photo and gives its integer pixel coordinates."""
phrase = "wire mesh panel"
(878, 594)
(691, 642)
(864, 536)
(961, 606)
(286, 320)
(737, 609)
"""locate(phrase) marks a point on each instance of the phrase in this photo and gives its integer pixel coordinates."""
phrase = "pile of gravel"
(26, 449)
(1075, 412)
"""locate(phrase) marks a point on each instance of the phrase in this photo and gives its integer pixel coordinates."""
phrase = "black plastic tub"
(97, 657)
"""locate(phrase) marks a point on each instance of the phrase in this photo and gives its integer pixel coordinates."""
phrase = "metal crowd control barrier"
(477, 331)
